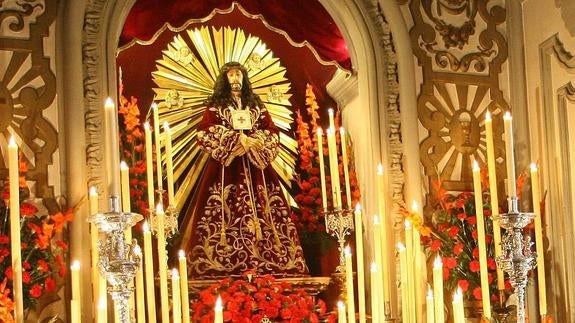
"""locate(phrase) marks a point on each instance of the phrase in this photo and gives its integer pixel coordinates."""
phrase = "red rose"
(462, 216)
(491, 264)
(50, 284)
(463, 284)
(435, 245)
(449, 262)
(472, 220)
(26, 278)
(453, 231)
(477, 293)
(36, 291)
(458, 248)
(474, 266)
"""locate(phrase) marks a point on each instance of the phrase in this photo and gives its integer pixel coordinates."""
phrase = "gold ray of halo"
(193, 79)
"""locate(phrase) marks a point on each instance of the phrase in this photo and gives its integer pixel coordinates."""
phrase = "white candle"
(438, 289)
(491, 167)
(458, 311)
(149, 166)
(321, 168)
(379, 279)
(374, 293)
(111, 138)
(169, 164)
(93, 199)
(481, 241)
(184, 286)
(149, 273)
(340, 312)
(156, 114)
(403, 280)
(162, 264)
(140, 301)
(535, 192)
(218, 311)
(176, 297)
(345, 166)
(359, 259)
(349, 285)
(429, 306)
(510, 161)
(382, 209)
(331, 119)
(102, 310)
(76, 294)
(333, 169)
(410, 255)
(125, 192)
(16, 253)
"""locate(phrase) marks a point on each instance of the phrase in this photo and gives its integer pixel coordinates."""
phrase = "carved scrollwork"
(17, 12)
(446, 59)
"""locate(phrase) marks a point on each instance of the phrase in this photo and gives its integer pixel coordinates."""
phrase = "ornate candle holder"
(517, 258)
(339, 224)
(119, 260)
(170, 219)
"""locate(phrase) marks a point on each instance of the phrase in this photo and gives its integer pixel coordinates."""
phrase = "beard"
(236, 86)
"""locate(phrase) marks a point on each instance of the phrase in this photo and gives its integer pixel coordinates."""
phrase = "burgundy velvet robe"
(243, 219)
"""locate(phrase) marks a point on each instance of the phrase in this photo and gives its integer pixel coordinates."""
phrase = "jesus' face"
(235, 78)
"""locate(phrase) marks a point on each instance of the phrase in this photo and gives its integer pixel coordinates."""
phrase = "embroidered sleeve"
(268, 135)
(216, 139)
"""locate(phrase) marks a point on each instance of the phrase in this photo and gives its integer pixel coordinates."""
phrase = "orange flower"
(60, 219)
(6, 303)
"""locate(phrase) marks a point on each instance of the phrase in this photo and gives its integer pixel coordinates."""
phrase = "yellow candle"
(74, 311)
(103, 299)
(340, 312)
(76, 295)
(218, 311)
(149, 166)
(374, 293)
(410, 256)
(377, 247)
(359, 259)
(349, 285)
(429, 305)
(184, 286)
(458, 312)
(140, 300)
(382, 209)
(535, 192)
(333, 169)
(156, 114)
(149, 273)
(403, 279)
(345, 166)
(125, 192)
(16, 253)
(491, 167)
(93, 199)
(510, 162)
(438, 289)
(481, 240)
(102, 311)
(321, 168)
(331, 119)
(111, 138)
(169, 164)
(176, 297)
(162, 264)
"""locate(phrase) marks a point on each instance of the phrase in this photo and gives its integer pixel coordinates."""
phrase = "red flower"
(474, 266)
(435, 245)
(463, 284)
(36, 291)
(458, 248)
(453, 231)
(477, 293)
(449, 262)
(50, 285)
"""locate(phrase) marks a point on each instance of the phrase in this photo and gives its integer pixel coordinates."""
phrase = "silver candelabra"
(118, 259)
(339, 224)
(517, 258)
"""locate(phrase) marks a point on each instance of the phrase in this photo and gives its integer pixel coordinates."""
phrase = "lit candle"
(111, 138)
(321, 168)
(102, 310)
(16, 253)
(429, 305)
(184, 286)
(125, 192)
(76, 295)
(409, 253)
(377, 247)
(438, 289)
(359, 259)
(333, 169)
(340, 312)
(162, 264)
(331, 118)
(149, 272)
(74, 311)
(169, 164)
(535, 192)
(374, 293)
(345, 166)
(510, 162)
(140, 301)
(149, 166)
(382, 209)
(218, 311)
(481, 240)
(458, 312)
(176, 297)
(403, 280)
(491, 167)
(93, 199)
(349, 285)
(156, 114)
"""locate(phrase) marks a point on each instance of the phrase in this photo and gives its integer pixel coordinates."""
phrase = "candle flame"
(319, 132)
(12, 141)
(146, 125)
(159, 209)
(166, 126)
(175, 274)
(109, 104)
(488, 116)
(400, 247)
(340, 304)
(533, 167)
(380, 169)
(373, 267)
(347, 251)
(145, 227)
(407, 224)
(475, 166)
(414, 206)
(181, 254)
(375, 220)
(218, 303)
(154, 105)
(341, 131)
(123, 165)
(93, 191)
(437, 263)
(75, 265)
(507, 116)
(358, 208)
(429, 292)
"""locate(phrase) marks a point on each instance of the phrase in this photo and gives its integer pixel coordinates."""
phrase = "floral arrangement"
(252, 298)
(308, 216)
(44, 253)
(451, 232)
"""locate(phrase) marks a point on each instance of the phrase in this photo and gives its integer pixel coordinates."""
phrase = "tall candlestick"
(410, 255)
(149, 166)
(510, 161)
(458, 311)
(491, 167)
(94, 234)
(140, 300)
(169, 164)
(321, 168)
(403, 279)
(535, 192)
(333, 169)
(340, 312)
(481, 240)
(184, 286)
(162, 264)
(374, 293)
(16, 253)
(176, 297)
(429, 306)
(345, 166)
(149, 272)
(379, 277)
(349, 285)
(76, 294)
(438, 289)
(382, 210)
(218, 311)
(111, 138)
(157, 141)
(359, 259)
(125, 192)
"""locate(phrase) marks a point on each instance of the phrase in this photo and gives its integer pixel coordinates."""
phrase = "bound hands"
(246, 145)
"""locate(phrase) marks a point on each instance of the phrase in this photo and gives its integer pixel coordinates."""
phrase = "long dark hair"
(222, 89)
